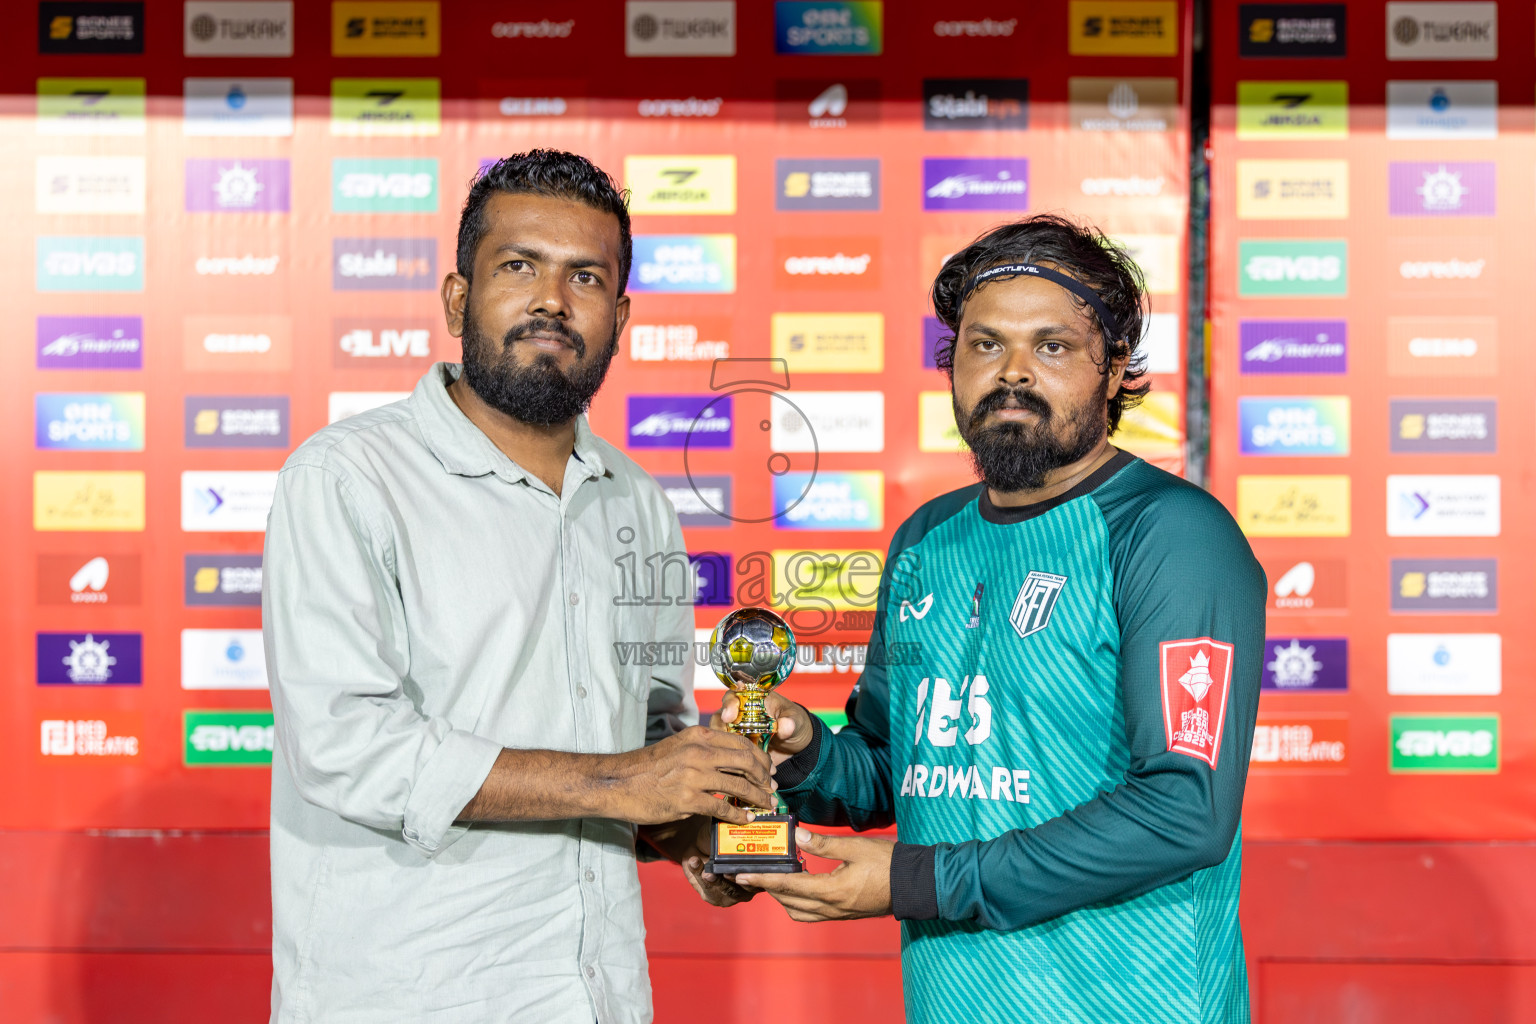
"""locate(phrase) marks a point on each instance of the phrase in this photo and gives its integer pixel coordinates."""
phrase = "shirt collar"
(462, 447)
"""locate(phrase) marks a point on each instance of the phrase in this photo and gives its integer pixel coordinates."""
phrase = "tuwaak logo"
(402, 185)
(222, 581)
(1292, 110)
(238, 28)
(680, 28)
(830, 501)
(1442, 189)
(1291, 744)
(817, 103)
(1286, 267)
(115, 735)
(700, 500)
(1444, 426)
(369, 344)
(88, 501)
(1292, 189)
(990, 183)
(1461, 346)
(1442, 110)
(1445, 744)
(92, 422)
(386, 106)
(91, 106)
(1292, 30)
(1305, 665)
(222, 659)
(827, 263)
(236, 421)
(1451, 505)
(823, 185)
(1443, 586)
(90, 184)
(75, 579)
(828, 421)
(1294, 426)
(1294, 506)
(217, 344)
(1442, 31)
(226, 501)
(830, 27)
(1196, 677)
(90, 27)
(221, 738)
(237, 186)
(700, 339)
(1123, 104)
(385, 28)
(1307, 585)
(975, 104)
(1293, 346)
(384, 264)
(680, 421)
(682, 264)
(1445, 664)
(1123, 27)
(90, 659)
(90, 263)
(238, 107)
(830, 342)
(1035, 601)
(681, 184)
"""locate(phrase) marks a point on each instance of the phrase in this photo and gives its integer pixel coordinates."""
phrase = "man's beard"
(539, 392)
(1016, 456)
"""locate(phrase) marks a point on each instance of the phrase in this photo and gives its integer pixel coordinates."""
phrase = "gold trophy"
(752, 650)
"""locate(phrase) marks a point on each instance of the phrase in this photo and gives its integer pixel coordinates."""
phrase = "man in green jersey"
(1061, 686)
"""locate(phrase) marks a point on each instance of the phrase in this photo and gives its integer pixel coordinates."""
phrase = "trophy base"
(765, 846)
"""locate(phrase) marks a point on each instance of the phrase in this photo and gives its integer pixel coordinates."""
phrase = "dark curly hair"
(543, 172)
(1084, 253)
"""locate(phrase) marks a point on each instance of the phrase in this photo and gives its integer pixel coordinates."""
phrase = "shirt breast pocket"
(638, 651)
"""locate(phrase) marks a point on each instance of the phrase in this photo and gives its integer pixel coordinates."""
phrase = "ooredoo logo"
(827, 264)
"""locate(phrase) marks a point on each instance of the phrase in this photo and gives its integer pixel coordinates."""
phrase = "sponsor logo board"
(541, 30)
(980, 28)
(1162, 344)
(109, 735)
(1292, 110)
(829, 501)
(384, 264)
(711, 578)
(1293, 506)
(386, 106)
(90, 343)
(1442, 110)
(1293, 268)
(828, 27)
(237, 107)
(1448, 266)
(1305, 665)
(1292, 30)
(1444, 744)
(1441, 189)
(681, 184)
(1123, 104)
(1444, 426)
(216, 344)
(700, 339)
(91, 106)
(1294, 346)
(1300, 744)
(680, 28)
(1148, 28)
(236, 421)
(1158, 258)
(82, 27)
(237, 28)
(683, 264)
(366, 343)
(222, 581)
(237, 186)
(222, 659)
(975, 183)
(394, 185)
(1308, 585)
(385, 28)
(1292, 189)
(826, 185)
(90, 659)
(1461, 346)
(975, 104)
(82, 579)
(700, 500)
(226, 501)
(1442, 31)
(680, 421)
(1294, 426)
(103, 421)
(936, 429)
(88, 501)
(222, 737)
(827, 263)
(90, 184)
(1450, 505)
(829, 421)
(819, 103)
(1445, 585)
(830, 342)
(90, 263)
(840, 579)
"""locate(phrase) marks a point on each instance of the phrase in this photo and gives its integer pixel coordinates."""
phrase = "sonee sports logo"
(1196, 676)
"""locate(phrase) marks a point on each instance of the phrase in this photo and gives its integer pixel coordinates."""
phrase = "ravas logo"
(400, 185)
(996, 183)
(236, 421)
(384, 264)
(217, 738)
(1294, 346)
(91, 106)
(93, 422)
(1292, 110)
(1292, 30)
(1442, 110)
(680, 421)
(830, 501)
(222, 581)
(237, 186)
(1445, 585)
(975, 104)
(90, 27)
(1445, 743)
(1293, 268)
(386, 106)
(1294, 426)
(831, 28)
(1444, 426)
(90, 659)
(1305, 665)
(683, 264)
(238, 107)
(81, 263)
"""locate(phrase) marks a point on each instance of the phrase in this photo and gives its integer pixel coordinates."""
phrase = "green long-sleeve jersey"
(1056, 711)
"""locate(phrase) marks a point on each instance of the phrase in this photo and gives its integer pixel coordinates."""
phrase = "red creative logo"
(1196, 676)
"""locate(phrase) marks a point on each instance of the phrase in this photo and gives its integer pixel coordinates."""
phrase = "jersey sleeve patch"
(1196, 676)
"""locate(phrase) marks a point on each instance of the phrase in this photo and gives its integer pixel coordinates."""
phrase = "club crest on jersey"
(918, 610)
(1037, 599)
(1196, 675)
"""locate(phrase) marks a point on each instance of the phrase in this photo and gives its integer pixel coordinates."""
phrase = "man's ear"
(455, 295)
(1117, 365)
(620, 315)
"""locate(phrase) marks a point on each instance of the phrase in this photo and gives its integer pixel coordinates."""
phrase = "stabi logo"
(542, 29)
(238, 28)
(971, 104)
(384, 264)
(370, 343)
(985, 28)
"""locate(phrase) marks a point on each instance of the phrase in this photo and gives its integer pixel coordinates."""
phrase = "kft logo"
(1035, 601)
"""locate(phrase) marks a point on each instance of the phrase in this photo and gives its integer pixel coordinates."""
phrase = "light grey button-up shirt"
(428, 603)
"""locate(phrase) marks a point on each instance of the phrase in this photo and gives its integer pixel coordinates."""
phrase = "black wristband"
(799, 767)
(914, 889)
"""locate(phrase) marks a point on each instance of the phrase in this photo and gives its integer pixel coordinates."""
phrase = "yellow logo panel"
(681, 184)
(1154, 429)
(936, 430)
(386, 28)
(87, 501)
(386, 106)
(844, 580)
(1293, 110)
(1293, 506)
(1148, 28)
(830, 342)
(1293, 189)
(1158, 258)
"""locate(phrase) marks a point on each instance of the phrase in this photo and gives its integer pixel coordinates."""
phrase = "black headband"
(1071, 284)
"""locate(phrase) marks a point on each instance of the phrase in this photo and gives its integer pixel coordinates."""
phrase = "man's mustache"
(539, 325)
(998, 397)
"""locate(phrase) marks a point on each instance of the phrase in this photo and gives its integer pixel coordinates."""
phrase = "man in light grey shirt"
(461, 760)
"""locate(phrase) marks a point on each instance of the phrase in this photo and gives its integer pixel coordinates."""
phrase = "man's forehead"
(561, 226)
(1025, 303)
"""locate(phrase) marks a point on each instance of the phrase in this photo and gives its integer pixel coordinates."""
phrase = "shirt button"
(591, 972)
(575, 598)
(581, 691)
(591, 877)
